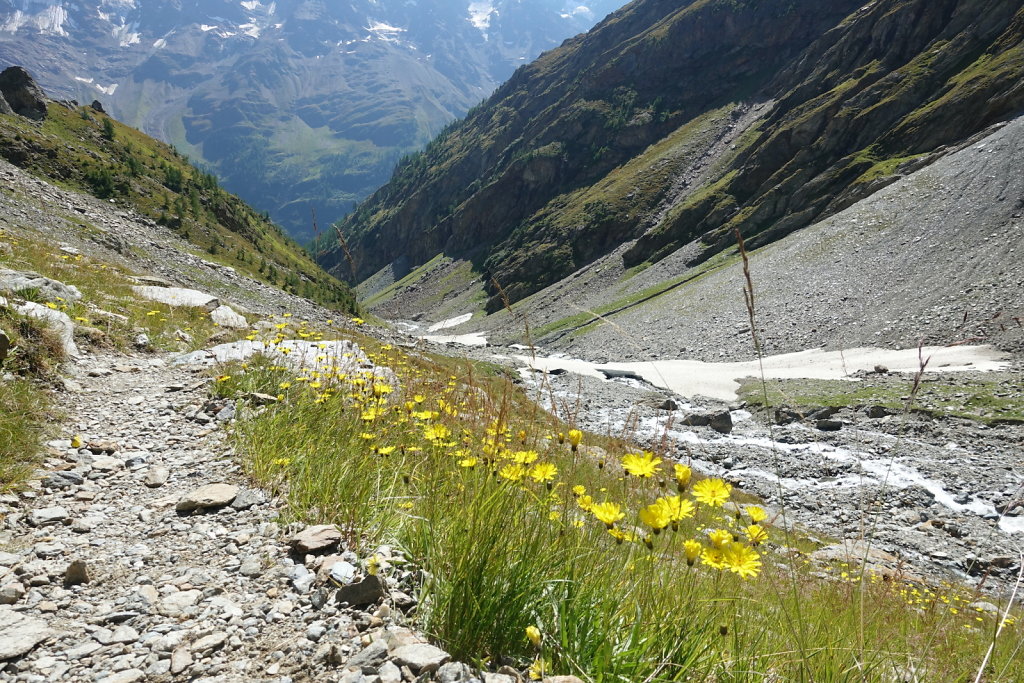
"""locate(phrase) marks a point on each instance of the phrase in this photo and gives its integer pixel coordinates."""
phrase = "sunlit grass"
(626, 568)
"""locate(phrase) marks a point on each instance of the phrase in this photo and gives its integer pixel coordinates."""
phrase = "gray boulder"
(4, 107)
(5, 346)
(14, 281)
(22, 93)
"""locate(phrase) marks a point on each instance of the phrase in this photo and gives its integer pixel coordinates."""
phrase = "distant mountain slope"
(296, 104)
(84, 149)
(670, 125)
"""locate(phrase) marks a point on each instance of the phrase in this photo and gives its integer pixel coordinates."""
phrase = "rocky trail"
(144, 555)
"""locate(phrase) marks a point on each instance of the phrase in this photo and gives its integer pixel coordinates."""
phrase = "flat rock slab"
(178, 296)
(19, 633)
(316, 539)
(58, 321)
(420, 658)
(207, 497)
(13, 281)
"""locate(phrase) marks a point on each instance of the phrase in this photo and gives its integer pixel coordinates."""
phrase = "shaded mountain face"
(296, 104)
(670, 125)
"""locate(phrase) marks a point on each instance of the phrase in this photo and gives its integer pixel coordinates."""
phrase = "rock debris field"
(142, 554)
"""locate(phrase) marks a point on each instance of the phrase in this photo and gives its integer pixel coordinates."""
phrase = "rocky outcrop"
(5, 346)
(22, 94)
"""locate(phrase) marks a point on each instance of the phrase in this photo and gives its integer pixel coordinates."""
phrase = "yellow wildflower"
(436, 433)
(542, 472)
(641, 465)
(756, 533)
(756, 514)
(608, 513)
(742, 559)
(575, 437)
(683, 475)
(656, 515)
(719, 538)
(692, 550)
(512, 472)
(533, 635)
(524, 457)
(712, 492)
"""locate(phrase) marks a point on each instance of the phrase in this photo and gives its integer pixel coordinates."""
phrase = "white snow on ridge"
(50, 20)
(250, 4)
(450, 322)
(480, 14)
(159, 43)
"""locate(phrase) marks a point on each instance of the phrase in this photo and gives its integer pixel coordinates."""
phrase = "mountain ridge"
(851, 110)
(296, 105)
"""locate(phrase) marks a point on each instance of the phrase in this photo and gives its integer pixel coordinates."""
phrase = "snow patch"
(159, 43)
(384, 32)
(250, 4)
(480, 14)
(49, 21)
(450, 322)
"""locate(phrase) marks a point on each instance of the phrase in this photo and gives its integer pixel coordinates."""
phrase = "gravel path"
(104, 578)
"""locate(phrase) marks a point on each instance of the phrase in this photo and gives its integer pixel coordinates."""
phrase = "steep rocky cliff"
(672, 125)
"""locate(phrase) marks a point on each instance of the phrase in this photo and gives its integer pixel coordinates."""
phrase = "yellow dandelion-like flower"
(692, 550)
(585, 503)
(742, 559)
(578, 490)
(524, 457)
(370, 414)
(656, 515)
(282, 462)
(542, 472)
(756, 533)
(683, 475)
(641, 464)
(756, 514)
(713, 557)
(679, 508)
(608, 513)
(468, 462)
(712, 492)
(223, 378)
(575, 437)
(533, 635)
(436, 433)
(512, 472)
(386, 450)
(720, 538)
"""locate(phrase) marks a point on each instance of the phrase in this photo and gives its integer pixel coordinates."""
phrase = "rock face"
(21, 93)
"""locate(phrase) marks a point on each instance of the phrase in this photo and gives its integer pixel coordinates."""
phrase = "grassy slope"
(455, 467)
(85, 150)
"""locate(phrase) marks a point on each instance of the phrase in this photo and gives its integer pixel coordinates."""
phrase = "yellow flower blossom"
(742, 559)
(641, 465)
(524, 457)
(608, 513)
(683, 475)
(756, 534)
(756, 514)
(533, 635)
(512, 472)
(575, 437)
(719, 538)
(692, 550)
(712, 492)
(542, 472)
